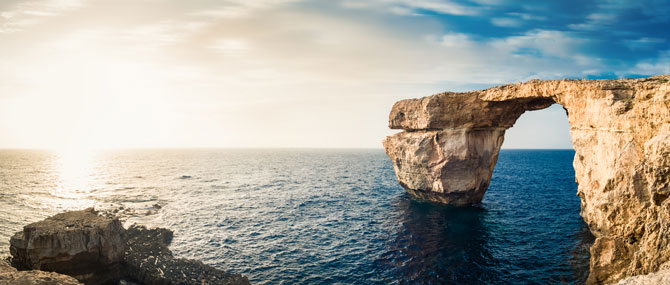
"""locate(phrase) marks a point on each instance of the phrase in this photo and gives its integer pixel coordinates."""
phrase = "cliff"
(620, 131)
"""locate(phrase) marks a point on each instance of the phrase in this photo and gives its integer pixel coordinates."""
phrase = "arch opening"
(532, 197)
(540, 129)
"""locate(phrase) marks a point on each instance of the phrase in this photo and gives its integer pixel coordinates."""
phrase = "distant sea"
(317, 216)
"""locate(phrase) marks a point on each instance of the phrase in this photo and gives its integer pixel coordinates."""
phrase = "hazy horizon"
(89, 74)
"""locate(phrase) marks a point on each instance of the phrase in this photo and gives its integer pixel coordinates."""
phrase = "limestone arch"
(620, 130)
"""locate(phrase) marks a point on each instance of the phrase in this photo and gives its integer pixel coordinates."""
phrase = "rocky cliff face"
(621, 134)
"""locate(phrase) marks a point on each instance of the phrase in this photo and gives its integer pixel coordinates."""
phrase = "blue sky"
(291, 73)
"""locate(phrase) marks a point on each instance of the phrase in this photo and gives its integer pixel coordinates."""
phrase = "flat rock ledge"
(84, 246)
(9, 275)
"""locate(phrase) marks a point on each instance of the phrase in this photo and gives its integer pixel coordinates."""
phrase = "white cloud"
(243, 72)
(403, 11)
(515, 19)
(413, 7)
(29, 13)
(596, 21)
(231, 47)
(652, 9)
(527, 17)
(240, 8)
(612, 12)
(506, 22)
(544, 54)
(356, 4)
(602, 17)
(444, 7)
(224, 12)
(657, 66)
(643, 43)
(545, 42)
(455, 40)
(489, 2)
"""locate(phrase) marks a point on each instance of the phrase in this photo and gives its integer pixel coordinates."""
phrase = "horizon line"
(239, 148)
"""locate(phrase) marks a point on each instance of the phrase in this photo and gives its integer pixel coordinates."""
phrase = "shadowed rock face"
(621, 135)
(81, 244)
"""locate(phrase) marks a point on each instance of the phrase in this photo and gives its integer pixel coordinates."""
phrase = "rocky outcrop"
(96, 249)
(9, 275)
(149, 261)
(81, 244)
(621, 135)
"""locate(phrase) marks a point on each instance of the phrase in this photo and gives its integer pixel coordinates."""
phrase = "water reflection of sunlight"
(74, 169)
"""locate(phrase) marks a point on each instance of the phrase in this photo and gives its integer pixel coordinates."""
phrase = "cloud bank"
(264, 73)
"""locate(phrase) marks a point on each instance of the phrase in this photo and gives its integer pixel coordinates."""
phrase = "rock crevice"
(620, 131)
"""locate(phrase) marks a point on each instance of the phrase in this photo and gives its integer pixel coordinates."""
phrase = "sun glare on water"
(75, 169)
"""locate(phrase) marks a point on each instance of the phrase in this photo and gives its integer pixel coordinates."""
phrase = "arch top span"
(461, 110)
(620, 130)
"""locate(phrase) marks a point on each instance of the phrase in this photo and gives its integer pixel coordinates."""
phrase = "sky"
(290, 73)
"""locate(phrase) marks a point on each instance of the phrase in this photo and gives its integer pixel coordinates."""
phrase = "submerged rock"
(81, 244)
(96, 249)
(620, 131)
(9, 275)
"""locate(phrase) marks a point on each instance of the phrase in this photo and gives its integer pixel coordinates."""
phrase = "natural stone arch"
(620, 131)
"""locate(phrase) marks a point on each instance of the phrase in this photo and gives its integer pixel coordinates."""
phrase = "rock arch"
(620, 131)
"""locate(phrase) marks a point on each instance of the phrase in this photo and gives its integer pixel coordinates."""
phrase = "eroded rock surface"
(452, 166)
(81, 244)
(9, 275)
(621, 135)
(149, 261)
(660, 277)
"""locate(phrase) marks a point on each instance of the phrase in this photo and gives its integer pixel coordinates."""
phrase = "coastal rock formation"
(620, 131)
(96, 249)
(149, 261)
(9, 275)
(81, 244)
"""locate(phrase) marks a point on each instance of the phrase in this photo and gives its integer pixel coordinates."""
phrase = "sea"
(316, 216)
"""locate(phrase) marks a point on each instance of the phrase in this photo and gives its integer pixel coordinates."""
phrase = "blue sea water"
(317, 216)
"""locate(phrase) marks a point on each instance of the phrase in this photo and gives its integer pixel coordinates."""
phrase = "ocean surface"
(317, 216)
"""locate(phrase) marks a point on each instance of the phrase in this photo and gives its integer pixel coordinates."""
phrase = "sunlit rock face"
(660, 277)
(621, 134)
(452, 166)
